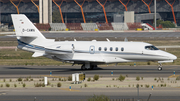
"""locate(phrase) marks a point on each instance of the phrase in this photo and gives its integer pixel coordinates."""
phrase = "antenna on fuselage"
(125, 39)
(107, 39)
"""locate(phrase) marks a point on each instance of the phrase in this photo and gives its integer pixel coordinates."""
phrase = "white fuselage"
(98, 52)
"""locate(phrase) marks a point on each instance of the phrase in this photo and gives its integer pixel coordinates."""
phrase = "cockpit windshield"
(151, 48)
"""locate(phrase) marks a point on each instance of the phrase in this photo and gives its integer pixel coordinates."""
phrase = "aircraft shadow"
(74, 69)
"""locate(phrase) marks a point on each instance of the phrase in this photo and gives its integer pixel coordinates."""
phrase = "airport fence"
(170, 28)
(88, 26)
(58, 26)
(74, 26)
(104, 26)
(3, 27)
(43, 27)
(122, 99)
(119, 26)
(134, 26)
(125, 100)
(128, 99)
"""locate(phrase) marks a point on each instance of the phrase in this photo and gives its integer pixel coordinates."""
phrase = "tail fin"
(26, 31)
(24, 27)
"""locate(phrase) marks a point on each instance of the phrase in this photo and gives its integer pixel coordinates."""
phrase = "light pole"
(155, 14)
(0, 13)
(137, 91)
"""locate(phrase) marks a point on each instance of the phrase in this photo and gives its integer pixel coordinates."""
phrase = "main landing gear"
(160, 67)
(88, 66)
(83, 67)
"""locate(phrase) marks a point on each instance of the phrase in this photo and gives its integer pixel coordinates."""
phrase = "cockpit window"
(151, 48)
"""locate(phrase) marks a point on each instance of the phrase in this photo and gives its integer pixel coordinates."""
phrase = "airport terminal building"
(84, 11)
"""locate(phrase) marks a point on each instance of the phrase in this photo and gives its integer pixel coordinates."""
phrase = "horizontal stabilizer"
(21, 36)
(27, 36)
(38, 54)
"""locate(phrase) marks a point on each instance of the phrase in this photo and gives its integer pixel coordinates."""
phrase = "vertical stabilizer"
(26, 31)
(24, 27)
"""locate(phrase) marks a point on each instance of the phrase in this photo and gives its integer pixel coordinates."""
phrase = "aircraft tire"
(92, 67)
(159, 68)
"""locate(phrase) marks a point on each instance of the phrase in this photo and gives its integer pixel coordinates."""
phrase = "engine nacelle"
(60, 48)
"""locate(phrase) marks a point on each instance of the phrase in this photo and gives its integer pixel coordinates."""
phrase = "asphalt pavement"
(102, 70)
(103, 35)
(82, 94)
(111, 34)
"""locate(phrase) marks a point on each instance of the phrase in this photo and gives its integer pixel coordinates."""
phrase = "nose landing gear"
(160, 67)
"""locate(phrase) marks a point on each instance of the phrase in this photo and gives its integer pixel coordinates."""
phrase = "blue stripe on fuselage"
(29, 46)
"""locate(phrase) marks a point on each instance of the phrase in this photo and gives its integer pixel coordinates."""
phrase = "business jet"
(87, 53)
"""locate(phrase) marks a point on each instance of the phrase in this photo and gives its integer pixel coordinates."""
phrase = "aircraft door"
(92, 50)
(73, 48)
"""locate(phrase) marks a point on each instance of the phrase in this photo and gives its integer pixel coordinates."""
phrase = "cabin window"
(58, 47)
(73, 46)
(116, 48)
(151, 48)
(99, 48)
(105, 49)
(122, 49)
(111, 48)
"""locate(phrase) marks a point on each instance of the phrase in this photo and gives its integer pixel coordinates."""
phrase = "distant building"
(92, 9)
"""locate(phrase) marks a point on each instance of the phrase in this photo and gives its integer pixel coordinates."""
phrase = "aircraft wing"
(109, 60)
(83, 61)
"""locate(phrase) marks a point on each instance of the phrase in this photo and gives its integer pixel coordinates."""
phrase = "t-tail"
(28, 36)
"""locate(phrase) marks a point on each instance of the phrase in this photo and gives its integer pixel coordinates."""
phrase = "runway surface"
(105, 71)
(112, 34)
(105, 35)
(82, 94)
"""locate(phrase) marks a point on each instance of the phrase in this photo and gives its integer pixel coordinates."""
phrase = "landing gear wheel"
(159, 68)
(83, 67)
(93, 67)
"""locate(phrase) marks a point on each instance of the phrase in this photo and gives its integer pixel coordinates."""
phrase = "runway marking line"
(172, 68)
(53, 76)
(3, 94)
(72, 90)
(173, 76)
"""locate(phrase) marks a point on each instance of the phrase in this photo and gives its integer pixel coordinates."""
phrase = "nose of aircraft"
(168, 55)
(173, 57)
